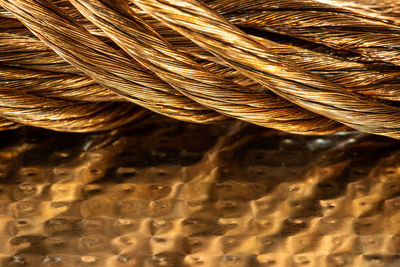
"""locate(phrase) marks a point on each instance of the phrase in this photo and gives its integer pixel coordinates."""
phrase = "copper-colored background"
(167, 193)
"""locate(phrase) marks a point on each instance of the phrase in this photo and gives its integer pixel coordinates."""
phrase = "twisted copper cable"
(56, 85)
(191, 62)
(103, 64)
(375, 79)
(345, 72)
(384, 10)
(21, 49)
(8, 125)
(30, 53)
(64, 115)
(191, 79)
(268, 112)
(318, 22)
(255, 61)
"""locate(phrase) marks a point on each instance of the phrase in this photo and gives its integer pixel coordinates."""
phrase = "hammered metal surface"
(166, 193)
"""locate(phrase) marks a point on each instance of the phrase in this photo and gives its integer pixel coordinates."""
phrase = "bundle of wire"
(300, 66)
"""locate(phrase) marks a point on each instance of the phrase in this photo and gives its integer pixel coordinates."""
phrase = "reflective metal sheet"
(167, 193)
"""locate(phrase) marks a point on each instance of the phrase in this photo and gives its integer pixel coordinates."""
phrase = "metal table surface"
(167, 193)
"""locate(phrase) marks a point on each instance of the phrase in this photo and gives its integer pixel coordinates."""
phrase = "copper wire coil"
(305, 67)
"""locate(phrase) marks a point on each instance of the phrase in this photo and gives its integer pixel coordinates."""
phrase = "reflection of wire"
(299, 66)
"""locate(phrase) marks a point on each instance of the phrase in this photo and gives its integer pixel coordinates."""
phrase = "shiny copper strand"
(253, 60)
(307, 67)
(192, 79)
(103, 64)
(319, 22)
(64, 115)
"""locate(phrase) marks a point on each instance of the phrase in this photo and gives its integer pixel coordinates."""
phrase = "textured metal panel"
(166, 193)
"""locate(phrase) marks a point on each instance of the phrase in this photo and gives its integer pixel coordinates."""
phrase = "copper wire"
(307, 67)
(253, 60)
(103, 64)
(193, 80)
(64, 115)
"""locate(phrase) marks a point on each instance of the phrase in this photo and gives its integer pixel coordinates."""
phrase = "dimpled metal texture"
(167, 193)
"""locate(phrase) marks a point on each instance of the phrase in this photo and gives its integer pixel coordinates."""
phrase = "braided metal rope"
(306, 67)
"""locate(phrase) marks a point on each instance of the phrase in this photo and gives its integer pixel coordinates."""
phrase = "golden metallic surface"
(167, 193)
